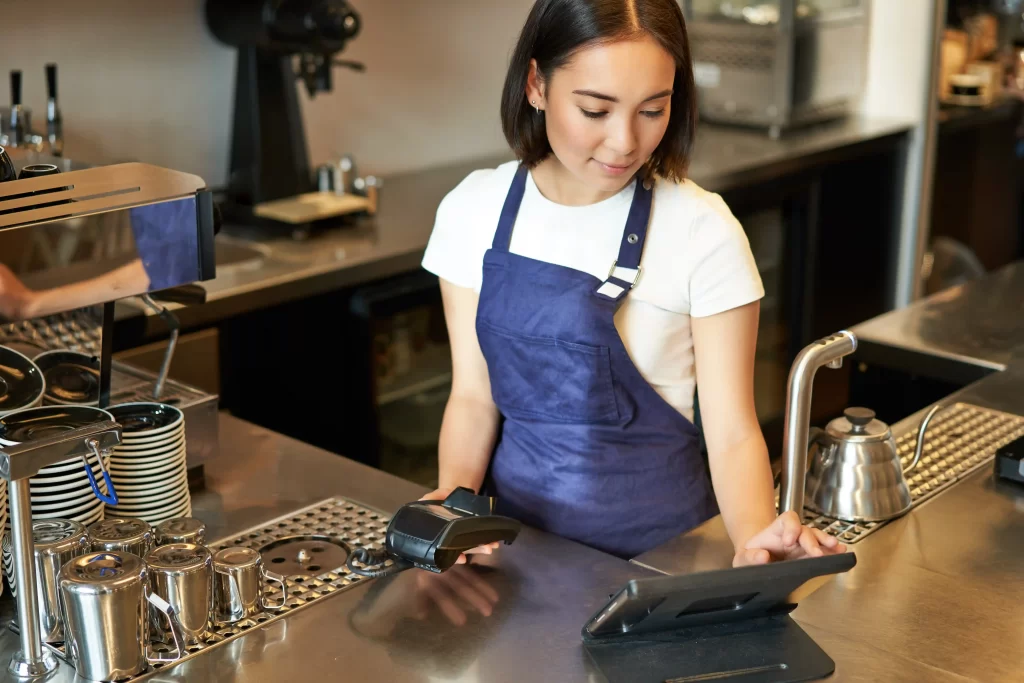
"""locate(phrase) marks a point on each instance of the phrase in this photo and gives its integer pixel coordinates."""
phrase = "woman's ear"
(535, 87)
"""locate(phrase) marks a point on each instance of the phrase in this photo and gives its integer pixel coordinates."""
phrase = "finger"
(437, 494)
(810, 543)
(825, 539)
(791, 528)
(751, 556)
(481, 550)
(836, 548)
(462, 559)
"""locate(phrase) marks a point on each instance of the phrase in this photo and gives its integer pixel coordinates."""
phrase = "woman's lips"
(613, 169)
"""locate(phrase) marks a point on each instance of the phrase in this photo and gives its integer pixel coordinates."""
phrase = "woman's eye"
(653, 114)
(593, 114)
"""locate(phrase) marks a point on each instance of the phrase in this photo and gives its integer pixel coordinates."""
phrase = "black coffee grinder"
(269, 160)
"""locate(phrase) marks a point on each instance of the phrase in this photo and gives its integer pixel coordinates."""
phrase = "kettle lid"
(858, 424)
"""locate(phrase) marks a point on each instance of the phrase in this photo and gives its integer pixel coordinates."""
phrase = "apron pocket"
(549, 379)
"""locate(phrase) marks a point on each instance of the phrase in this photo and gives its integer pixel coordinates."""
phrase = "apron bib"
(588, 449)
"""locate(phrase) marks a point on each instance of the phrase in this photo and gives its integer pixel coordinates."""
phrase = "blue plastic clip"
(109, 500)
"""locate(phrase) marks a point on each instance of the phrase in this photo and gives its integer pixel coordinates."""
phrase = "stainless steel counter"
(534, 596)
(271, 271)
(415, 626)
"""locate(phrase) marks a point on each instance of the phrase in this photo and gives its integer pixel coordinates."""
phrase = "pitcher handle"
(112, 498)
(270, 576)
(176, 630)
(919, 449)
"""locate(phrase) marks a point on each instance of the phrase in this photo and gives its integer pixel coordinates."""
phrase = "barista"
(573, 385)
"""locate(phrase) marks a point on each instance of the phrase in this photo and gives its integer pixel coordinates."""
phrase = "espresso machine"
(155, 229)
(280, 42)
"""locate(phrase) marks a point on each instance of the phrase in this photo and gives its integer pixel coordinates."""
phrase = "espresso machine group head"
(269, 159)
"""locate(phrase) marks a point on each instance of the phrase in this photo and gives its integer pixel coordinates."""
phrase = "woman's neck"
(558, 184)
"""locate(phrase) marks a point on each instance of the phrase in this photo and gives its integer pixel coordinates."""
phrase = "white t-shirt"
(696, 262)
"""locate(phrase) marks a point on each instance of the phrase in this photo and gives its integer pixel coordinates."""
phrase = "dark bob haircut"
(557, 29)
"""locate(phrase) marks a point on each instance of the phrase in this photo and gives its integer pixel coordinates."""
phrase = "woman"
(587, 286)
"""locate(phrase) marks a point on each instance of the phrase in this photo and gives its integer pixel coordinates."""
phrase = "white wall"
(900, 73)
(145, 80)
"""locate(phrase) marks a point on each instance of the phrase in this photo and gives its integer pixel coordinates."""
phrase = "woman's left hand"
(786, 539)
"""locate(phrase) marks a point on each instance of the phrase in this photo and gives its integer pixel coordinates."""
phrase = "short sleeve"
(455, 249)
(725, 275)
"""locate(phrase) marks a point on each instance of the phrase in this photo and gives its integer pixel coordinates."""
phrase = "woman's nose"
(622, 137)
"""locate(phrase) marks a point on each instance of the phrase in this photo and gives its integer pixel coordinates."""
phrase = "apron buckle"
(611, 274)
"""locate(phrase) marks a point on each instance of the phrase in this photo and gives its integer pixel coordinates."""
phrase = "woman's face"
(607, 109)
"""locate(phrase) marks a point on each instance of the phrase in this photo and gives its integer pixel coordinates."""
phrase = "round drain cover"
(305, 555)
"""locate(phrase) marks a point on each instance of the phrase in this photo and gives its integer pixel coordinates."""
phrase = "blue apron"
(588, 449)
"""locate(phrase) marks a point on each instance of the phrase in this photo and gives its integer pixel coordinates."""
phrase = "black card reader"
(431, 534)
(1010, 461)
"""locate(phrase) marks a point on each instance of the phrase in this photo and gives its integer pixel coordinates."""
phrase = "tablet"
(667, 603)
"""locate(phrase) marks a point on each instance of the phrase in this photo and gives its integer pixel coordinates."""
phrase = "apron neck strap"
(503, 235)
(625, 271)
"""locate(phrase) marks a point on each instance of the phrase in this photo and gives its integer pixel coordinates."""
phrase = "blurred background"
(872, 151)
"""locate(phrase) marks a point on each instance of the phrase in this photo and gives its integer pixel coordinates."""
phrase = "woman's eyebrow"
(610, 98)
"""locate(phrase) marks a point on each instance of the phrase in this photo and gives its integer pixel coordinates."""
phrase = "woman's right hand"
(439, 495)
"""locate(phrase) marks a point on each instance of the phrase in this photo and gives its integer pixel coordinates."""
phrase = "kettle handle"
(812, 437)
(176, 630)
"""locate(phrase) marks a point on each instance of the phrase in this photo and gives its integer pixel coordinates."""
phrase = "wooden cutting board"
(312, 206)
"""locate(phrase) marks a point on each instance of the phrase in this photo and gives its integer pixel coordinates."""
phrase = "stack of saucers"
(8, 558)
(4, 541)
(61, 490)
(148, 468)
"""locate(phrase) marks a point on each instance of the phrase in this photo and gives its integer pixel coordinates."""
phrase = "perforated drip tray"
(960, 439)
(309, 547)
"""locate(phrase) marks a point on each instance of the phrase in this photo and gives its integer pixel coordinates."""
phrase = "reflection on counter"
(441, 622)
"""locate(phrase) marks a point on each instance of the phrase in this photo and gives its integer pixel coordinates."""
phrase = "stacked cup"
(148, 468)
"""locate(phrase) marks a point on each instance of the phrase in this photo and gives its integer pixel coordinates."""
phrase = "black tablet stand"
(725, 625)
